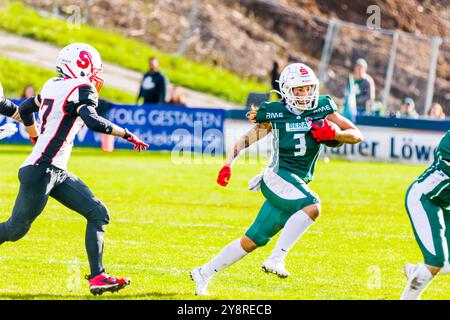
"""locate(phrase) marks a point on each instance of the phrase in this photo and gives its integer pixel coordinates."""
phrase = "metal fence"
(402, 64)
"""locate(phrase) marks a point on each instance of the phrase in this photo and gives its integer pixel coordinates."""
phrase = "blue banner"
(163, 127)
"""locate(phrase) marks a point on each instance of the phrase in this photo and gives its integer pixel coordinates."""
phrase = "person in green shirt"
(290, 206)
(427, 203)
(363, 84)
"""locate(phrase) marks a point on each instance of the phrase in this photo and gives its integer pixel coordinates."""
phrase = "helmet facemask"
(302, 103)
(93, 74)
(96, 80)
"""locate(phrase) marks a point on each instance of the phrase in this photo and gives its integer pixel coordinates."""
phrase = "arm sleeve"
(87, 95)
(27, 110)
(93, 121)
(7, 107)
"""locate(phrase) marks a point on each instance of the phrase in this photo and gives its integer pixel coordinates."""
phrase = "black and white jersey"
(59, 119)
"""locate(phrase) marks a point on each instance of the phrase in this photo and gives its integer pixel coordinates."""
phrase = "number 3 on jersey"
(301, 147)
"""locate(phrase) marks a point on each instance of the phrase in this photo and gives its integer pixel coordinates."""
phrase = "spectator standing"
(436, 111)
(361, 84)
(408, 108)
(153, 85)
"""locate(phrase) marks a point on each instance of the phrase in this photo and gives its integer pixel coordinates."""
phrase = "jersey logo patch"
(298, 126)
(323, 109)
(303, 71)
(273, 115)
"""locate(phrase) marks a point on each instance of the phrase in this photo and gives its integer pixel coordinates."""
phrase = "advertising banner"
(163, 127)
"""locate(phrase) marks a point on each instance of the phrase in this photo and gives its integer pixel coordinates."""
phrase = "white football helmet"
(299, 75)
(80, 60)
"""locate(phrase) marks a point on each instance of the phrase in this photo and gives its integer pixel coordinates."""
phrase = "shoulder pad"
(274, 105)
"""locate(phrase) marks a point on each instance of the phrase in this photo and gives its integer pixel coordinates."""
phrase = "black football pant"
(39, 182)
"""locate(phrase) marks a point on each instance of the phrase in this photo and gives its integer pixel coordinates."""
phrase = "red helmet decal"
(85, 60)
(303, 71)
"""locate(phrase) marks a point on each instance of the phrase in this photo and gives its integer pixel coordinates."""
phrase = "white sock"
(296, 225)
(230, 254)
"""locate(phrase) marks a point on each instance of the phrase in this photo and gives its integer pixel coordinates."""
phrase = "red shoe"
(104, 282)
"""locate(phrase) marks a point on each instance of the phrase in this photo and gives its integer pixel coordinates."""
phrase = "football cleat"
(201, 282)
(275, 266)
(418, 277)
(104, 282)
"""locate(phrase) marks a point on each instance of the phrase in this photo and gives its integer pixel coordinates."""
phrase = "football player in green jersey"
(427, 203)
(290, 206)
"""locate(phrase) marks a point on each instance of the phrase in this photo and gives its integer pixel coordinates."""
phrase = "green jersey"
(440, 170)
(442, 158)
(293, 147)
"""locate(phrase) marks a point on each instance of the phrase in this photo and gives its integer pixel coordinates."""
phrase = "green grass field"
(168, 219)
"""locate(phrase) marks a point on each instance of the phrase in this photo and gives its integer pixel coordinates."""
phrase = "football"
(329, 143)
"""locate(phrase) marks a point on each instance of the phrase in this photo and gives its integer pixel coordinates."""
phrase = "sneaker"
(104, 282)
(275, 266)
(201, 282)
(418, 277)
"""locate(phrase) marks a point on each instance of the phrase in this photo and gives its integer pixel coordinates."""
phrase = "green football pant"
(285, 195)
(430, 222)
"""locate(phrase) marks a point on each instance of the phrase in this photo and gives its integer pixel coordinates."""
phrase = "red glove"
(138, 144)
(224, 176)
(323, 132)
(34, 140)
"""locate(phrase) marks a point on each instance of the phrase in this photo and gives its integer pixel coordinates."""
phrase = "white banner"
(391, 145)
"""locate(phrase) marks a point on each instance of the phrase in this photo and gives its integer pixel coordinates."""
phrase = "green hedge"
(15, 75)
(23, 20)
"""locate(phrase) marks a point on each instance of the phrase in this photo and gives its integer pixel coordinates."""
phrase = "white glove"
(254, 184)
(7, 130)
